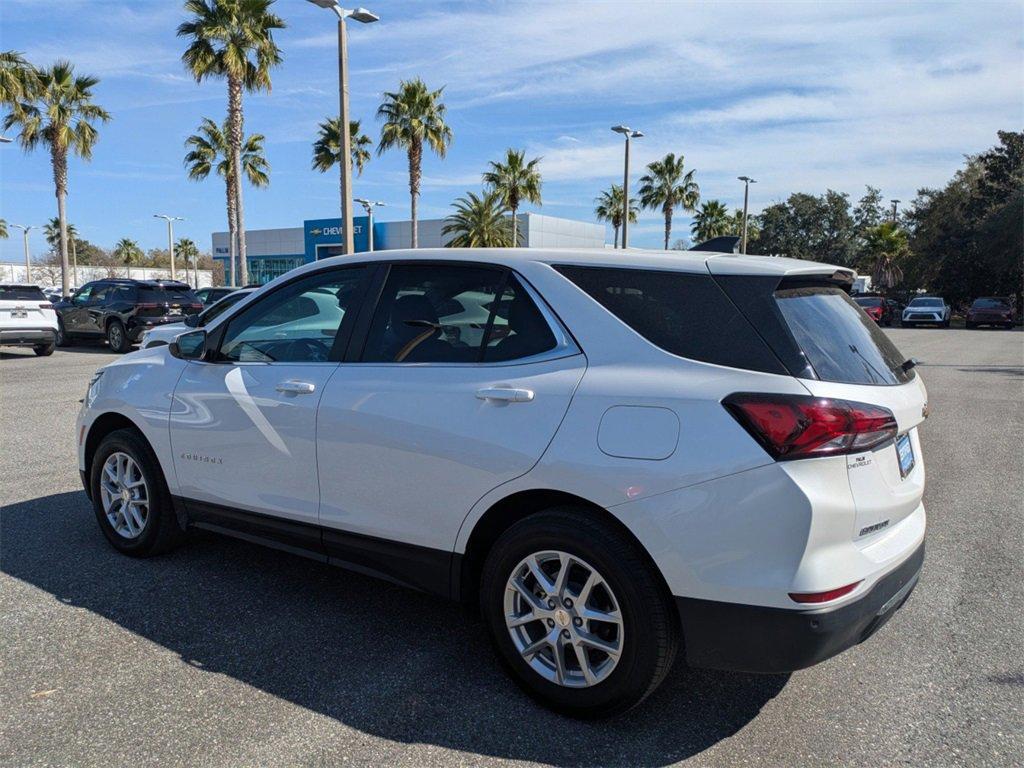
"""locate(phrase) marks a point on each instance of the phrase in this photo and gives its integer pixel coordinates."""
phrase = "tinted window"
(866, 301)
(122, 294)
(296, 324)
(216, 310)
(100, 293)
(840, 342)
(454, 314)
(685, 314)
(926, 303)
(21, 293)
(990, 304)
(167, 294)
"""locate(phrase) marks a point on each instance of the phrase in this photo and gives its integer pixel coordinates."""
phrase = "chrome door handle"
(506, 394)
(296, 387)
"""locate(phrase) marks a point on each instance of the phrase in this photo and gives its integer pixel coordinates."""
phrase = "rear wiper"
(909, 363)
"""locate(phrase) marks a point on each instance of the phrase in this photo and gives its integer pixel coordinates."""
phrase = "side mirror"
(192, 321)
(189, 346)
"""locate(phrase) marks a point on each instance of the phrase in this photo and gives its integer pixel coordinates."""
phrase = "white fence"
(46, 276)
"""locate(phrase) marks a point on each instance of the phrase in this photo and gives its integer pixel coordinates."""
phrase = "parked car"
(54, 295)
(991, 310)
(27, 318)
(616, 455)
(212, 294)
(165, 334)
(120, 311)
(926, 309)
(877, 308)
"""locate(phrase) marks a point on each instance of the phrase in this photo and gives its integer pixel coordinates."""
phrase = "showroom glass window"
(297, 323)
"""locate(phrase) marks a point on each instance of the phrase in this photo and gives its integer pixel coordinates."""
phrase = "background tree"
(515, 180)
(327, 147)
(479, 221)
(62, 116)
(886, 249)
(51, 233)
(19, 80)
(189, 251)
(233, 39)
(712, 220)
(666, 186)
(807, 227)
(128, 253)
(609, 208)
(210, 150)
(3, 229)
(413, 116)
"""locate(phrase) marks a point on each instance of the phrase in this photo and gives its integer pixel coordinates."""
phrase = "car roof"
(634, 258)
(19, 285)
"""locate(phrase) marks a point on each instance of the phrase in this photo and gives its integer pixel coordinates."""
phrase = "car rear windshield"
(683, 313)
(167, 294)
(990, 304)
(840, 342)
(21, 293)
(869, 301)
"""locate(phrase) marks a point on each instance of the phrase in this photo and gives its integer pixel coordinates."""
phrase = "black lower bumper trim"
(27, 336)
(751, 638)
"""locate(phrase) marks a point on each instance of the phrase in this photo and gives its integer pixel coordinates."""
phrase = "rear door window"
(841, 343)
(21, 293)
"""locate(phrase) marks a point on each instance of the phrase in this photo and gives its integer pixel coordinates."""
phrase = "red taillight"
(147, 305)
(801, 426)
(195, 306)
(823, 597)
(47, 305)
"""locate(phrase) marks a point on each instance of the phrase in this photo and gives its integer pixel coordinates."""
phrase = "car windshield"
(217, 309)
(21, 293)
(926, 302)
(869, 301)
(990, 304)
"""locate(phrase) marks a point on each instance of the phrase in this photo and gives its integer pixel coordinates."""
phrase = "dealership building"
(272, 252)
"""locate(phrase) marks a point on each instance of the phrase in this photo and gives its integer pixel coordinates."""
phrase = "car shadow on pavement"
(379, 658)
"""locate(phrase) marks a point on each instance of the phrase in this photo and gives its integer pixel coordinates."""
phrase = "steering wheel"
(306, 350)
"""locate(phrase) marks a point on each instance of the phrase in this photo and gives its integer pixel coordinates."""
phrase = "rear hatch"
(839, 353)
(167, 303)
(25, 306)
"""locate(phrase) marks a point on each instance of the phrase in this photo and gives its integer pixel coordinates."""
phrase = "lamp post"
(747, 181)
(895, 203)
(170, 238)
(28, 262)
(345, 166)
(629, 133)
(369, 205)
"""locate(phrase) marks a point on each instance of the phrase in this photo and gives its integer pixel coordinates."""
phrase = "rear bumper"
(752, 638)
(27, 336)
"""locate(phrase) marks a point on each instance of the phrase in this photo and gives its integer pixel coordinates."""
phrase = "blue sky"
(801, 96)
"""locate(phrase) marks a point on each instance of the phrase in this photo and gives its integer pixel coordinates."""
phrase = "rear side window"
(21, 293)
(683, 313)
(868, 302)
(840, 342)
(151, 294)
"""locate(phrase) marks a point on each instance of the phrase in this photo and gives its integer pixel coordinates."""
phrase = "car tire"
(61, 339)
(44, 350)
(117, 337)
(905, 324)
(647, 634)
(945, 323)
(159, 531)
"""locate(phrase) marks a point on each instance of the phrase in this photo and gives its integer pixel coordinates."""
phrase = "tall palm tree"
(233, 39)
(609, 208)
(3, 229)
(667, 186)
(479, 221)
(887, 246)
(413, 116)
(712, 220)
(62, 116)
(128, 253)
(210, 150)
(515, 180)
(327, 147)
(18, 79)
(189, 251)
(51, 233)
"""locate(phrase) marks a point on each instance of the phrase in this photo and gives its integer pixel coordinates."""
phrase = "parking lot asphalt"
(223, 653)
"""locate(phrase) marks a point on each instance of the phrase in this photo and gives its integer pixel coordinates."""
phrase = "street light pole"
(629, 133)
(894, 204)
(369, 205)
(345, 139)
(170, 239)
(747, 181)
(28, 262)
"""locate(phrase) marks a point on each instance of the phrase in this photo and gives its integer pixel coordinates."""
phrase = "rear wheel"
(117, 337)
(577, 614)
(43, 350)
(62, 339)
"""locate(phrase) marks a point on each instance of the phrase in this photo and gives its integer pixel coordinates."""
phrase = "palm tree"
(479, 221)
(210, 150)
(712, 220)
(414, 115)
(189, 251)
(19, 80)
(62, 116)
(515, 180)
(667, 186)
(51, 232)
(233, 39)
(887, 246)
(3, 229)
(128, 253)
(327, 147)
(609, 208)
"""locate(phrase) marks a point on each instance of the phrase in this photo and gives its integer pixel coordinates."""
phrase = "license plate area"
(19, 313)
(905, 454)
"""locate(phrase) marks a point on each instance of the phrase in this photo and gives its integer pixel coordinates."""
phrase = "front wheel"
(117, 337)
(577, 614)
(43, 350)
(945, 323)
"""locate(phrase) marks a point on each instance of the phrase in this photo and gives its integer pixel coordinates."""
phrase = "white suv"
(27, 318)
(926, 309)
(617, 454)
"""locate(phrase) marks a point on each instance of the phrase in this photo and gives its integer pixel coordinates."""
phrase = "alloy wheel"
(124, 495)
(564, 619)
